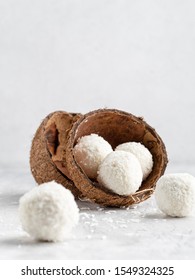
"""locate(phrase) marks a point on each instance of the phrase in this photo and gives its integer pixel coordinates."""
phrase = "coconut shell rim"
(71, 162)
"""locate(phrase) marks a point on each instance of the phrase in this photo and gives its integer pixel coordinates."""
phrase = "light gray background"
(78, 56)
(134, 55)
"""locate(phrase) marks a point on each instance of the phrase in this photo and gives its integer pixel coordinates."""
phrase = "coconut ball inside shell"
(116, 127)
(89, 153)
(142, 154)
(120, 172)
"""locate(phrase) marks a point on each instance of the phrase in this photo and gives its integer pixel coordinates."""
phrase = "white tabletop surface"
(141, 232)
(77, 56)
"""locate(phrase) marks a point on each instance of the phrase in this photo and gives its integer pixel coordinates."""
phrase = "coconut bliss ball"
(48, 212)
(89, 153)
(121, 173)
(142, 154)
(175, 194)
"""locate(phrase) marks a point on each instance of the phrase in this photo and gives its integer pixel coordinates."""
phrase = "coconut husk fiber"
(52, 152)
(47, 156)
(116, 127)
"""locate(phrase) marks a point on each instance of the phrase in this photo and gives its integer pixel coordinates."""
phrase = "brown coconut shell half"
(48, 150)
(116, 127)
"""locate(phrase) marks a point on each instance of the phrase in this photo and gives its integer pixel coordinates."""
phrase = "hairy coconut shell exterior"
(116, 127)
(47, 150)
(52, 152)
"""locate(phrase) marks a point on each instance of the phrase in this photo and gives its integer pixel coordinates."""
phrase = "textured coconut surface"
(47, 150)
(140, 232)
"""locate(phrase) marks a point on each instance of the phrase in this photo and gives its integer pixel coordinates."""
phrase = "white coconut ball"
(48, 212)
(120, 172)
(142, 154)
(175, 194)
(89, 153)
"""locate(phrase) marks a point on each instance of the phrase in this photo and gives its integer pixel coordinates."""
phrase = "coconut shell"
(47, 151)
(116, 127)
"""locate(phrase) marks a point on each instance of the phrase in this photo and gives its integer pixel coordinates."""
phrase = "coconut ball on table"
(175, 194)
(48, 212)
(121, 173)
(89, 152)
